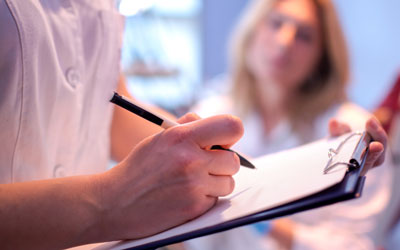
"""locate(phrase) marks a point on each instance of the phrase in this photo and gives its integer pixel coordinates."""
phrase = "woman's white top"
(59, 64)
(345, 225)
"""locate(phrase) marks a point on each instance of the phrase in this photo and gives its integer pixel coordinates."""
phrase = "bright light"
(132, 7)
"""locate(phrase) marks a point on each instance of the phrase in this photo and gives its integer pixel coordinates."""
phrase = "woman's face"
(286, 45)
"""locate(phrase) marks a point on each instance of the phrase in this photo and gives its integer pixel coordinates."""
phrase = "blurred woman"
(289, 73)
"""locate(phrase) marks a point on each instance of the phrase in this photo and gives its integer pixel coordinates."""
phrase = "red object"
(387, 110)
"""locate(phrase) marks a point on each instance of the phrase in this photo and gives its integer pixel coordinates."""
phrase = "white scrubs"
(354, 224)
(59, 64)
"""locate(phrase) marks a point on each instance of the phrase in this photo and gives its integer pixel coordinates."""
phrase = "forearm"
(50, 214)
(127, 129)
(135, 199)
(126, 133)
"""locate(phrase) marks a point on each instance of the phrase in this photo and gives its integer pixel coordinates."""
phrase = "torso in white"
(346, 225)
(60, 63)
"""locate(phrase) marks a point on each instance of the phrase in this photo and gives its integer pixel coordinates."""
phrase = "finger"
(210, 202)
(222, 162)
(376, 155)
(222, 130)
(376, 131)
(189, 117)
(378, 135)
(337, 128)
(220, 185)
(201, 206)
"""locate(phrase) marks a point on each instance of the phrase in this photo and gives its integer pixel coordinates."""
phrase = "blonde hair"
(325, 86)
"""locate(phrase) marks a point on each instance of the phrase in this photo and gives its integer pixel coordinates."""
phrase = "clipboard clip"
(357, 157)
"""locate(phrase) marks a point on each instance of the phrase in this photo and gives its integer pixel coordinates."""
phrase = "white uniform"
(59, 64)
(346, 225)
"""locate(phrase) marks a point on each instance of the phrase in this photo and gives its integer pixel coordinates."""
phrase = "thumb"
(224, 130)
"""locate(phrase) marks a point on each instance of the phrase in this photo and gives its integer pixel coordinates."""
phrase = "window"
(161, 55)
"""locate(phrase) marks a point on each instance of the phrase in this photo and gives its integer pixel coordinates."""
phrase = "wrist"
(104, 189)
(99, 204)
(100, 195)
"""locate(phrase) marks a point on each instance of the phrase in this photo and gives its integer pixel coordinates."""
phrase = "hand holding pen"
(163, 122)
(171, 177)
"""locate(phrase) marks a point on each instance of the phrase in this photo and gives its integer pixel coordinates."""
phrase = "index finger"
(376, 131)
(189, 117)
(337, 128)
(379, 137)
(223, 130)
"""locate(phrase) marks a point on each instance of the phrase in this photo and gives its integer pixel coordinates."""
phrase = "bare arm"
(135, 199)
(128, 129)
(49, 213)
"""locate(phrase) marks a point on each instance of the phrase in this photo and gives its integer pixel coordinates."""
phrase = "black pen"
(163, 122)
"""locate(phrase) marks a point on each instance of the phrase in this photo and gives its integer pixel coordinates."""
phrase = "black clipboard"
(349, 188)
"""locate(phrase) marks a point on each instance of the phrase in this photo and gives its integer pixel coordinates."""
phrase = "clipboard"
(348, 187)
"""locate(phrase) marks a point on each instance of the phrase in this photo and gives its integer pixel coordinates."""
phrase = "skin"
(136, 198)
(283, 229)
(286, 44)
(376, 154)
(283, 51)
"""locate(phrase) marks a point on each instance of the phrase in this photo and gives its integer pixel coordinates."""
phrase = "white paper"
(279, 178)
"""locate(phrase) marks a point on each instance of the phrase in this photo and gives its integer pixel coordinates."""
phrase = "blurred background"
(174, 48)
(174, 51)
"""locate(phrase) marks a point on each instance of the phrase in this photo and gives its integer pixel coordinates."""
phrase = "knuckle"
(236, 165)
(226, 185)
(178, 135)
(234, 124)
(187, 160)
(230, 163)
(230, 185)
(380, 160)
(192, 188)
(197, 208)
(195, 205)
(188, 117)
(192, 116)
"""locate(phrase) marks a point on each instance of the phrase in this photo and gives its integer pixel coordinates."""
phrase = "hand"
(189, 117)
(170, 178)
(377, 147)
